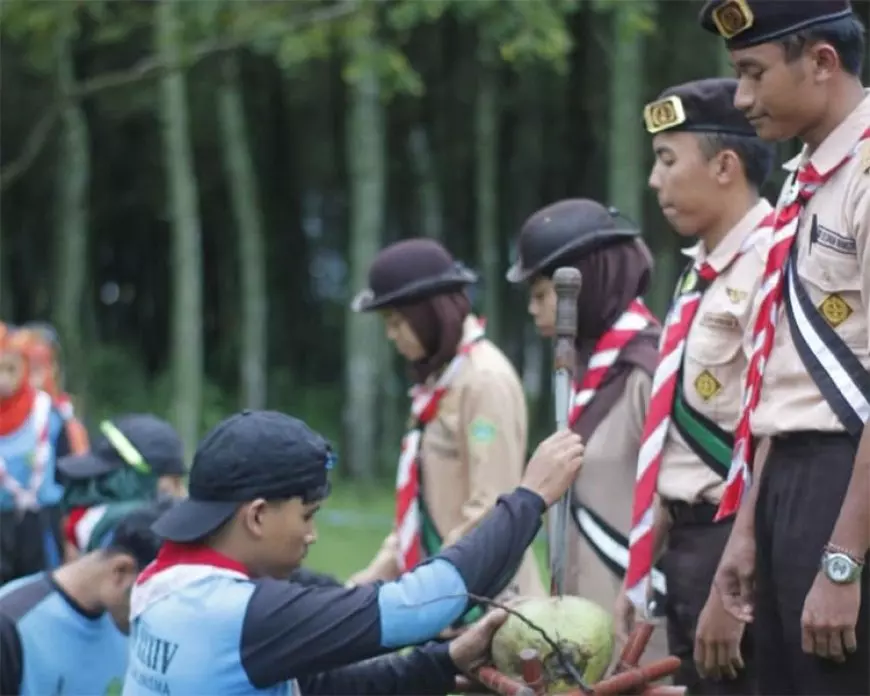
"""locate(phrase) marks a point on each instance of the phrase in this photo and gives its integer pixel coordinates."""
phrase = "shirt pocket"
(713, 366)
(833, 282)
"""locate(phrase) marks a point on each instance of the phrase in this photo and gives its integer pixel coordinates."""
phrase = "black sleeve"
(311, 578)
(291, 630)
(427, 670)
(11, 657)
(488, 557)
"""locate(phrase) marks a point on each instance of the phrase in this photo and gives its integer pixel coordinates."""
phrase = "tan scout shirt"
(605, 485)
(472, 452)
(835, 270)
(716, 357)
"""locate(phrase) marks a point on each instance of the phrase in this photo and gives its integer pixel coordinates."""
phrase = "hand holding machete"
(567, 282)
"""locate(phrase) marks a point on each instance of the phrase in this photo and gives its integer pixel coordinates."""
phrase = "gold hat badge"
(663, 114)
(733, 17)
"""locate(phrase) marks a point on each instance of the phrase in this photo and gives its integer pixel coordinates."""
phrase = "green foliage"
(636, 18)
(35, 26)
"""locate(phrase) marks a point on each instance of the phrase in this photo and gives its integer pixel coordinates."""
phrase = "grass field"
(351, 526)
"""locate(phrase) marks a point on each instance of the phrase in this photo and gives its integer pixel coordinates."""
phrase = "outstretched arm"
(291, 631)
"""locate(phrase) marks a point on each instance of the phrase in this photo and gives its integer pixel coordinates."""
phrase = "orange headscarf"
(15, 409)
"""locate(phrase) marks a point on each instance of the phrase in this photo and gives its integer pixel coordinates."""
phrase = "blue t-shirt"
(17, 449)
(204, 629)
(51, 646)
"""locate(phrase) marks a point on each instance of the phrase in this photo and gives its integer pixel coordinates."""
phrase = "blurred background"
(193, 190)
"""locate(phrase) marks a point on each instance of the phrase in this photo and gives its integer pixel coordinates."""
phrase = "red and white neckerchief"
(658, 418)
(176, 567)
(631, 322)
(25, 497)
(424, 408)
(807, 181)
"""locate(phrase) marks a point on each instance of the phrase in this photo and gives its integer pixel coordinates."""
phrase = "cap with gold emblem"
(701, 106)
(744, 23)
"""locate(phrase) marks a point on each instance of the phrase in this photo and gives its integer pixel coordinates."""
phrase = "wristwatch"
(839, 566)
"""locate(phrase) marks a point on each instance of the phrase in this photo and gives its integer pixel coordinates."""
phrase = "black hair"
(756, 155)
(133, 536)
(845, 35)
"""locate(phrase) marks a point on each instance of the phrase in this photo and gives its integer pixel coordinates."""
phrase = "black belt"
(683, 513)
(801, 438)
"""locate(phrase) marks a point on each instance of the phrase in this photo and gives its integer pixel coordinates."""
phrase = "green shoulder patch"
(482, 431)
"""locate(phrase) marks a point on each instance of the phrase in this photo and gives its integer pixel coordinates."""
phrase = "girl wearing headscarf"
(466, 443)
(616, 350)
(32, 436)
(41, 348)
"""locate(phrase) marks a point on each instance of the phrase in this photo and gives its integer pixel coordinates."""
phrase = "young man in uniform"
(802, 533)
(708, 171)
(65, 632)
(215, 613)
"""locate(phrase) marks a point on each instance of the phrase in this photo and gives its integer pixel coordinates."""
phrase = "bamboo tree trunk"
(626, 171)
(486, 131)
(187, 359)
(366, 138)
(242, 183)
(429, 200)
(71, 215)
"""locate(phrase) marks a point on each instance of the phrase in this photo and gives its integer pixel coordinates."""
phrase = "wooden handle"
(567, 281)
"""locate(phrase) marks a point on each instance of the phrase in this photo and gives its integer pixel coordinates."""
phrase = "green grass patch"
(351, 526)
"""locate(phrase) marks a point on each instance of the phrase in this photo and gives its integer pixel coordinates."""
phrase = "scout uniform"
(688, 436)
(809, 387)
(610, 421)
(470, 421)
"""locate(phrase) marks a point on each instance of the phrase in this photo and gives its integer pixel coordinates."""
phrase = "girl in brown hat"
(617, 352)
(466, 442)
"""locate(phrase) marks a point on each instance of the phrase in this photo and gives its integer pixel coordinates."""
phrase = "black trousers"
(29, 542)
(800, 496)
(695, 545)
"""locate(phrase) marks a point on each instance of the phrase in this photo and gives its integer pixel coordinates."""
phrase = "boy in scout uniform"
(468, 425)
(616, 355)
(802, 533)
(709, 168)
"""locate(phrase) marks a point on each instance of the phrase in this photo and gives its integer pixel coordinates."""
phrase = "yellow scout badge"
(707, 385)
(663, 114)
(835, 310)
(733, 17)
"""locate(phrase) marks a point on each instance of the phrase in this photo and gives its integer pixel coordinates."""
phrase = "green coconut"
(580, 627)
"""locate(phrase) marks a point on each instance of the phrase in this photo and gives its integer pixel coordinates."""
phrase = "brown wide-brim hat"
(409, 271)
(563, 231)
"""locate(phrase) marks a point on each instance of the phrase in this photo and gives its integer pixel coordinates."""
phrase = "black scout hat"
(250, 455)
(411, 270)
(744, 23)
(701, 106)
(568, 228)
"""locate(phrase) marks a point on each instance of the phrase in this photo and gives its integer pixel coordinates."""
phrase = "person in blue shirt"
(216, 614)
(66, 631)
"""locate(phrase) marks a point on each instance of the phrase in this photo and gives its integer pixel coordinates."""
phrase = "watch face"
(839, 567)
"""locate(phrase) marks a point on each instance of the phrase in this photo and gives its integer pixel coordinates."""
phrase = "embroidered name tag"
(719, 320)
(829, 239)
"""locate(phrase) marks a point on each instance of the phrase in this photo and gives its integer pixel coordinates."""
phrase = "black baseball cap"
(142, 441)
(250, 455)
